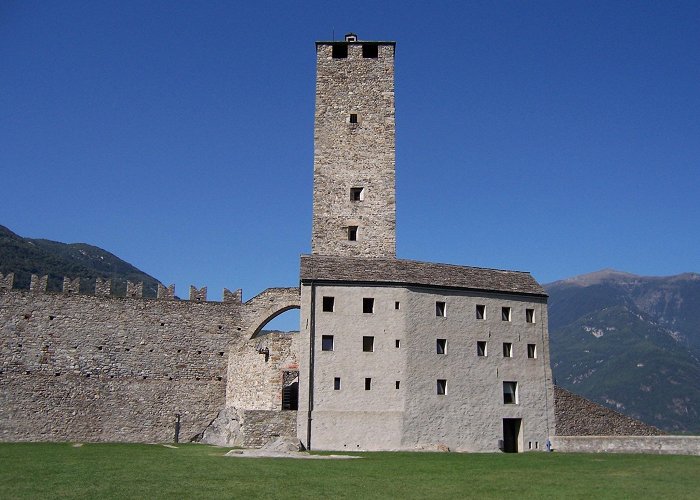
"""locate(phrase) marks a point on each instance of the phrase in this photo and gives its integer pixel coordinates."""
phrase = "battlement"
(103, 288)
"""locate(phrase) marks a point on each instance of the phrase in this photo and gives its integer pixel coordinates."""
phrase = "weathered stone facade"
(102, 368)
(354, 150)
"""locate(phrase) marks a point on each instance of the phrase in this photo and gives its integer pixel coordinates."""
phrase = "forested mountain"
(631, 343)
(25, 256)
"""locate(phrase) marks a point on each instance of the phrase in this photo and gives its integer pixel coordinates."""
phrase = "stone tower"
(354, 211)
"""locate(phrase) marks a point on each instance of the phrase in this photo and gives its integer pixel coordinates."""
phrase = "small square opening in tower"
(357, 194)
(441, 387)
(336, 384)
(370, 50)
(480, 311)
(368, 384)
(481, 348)
(368, 305)
(352, 233)
(340, 51)
(368, 344)
(353, 118)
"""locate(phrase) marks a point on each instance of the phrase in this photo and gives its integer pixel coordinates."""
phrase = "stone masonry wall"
(577, 416)
(354, 155)
(96, 368)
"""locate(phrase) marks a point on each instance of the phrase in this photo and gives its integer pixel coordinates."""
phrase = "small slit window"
(398, 384)
(441, 387)
(327, 342)
(397, 305)
(357, 194)
(336, 384)
(505, 313)
(328, 304)
(340, 51)
(529, 315)
(480, 311)
(441, 346)
(440, 309)
(368, 384)
(398, 343)
(368, 305)
(370, 50)
(352, 233)
(481, 348)
(368, 344)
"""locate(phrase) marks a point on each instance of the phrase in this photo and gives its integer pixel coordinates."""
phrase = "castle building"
(392, 354)
(397, 354)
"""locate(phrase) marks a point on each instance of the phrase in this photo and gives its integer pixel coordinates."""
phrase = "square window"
(368, 305)
(532, 351)
(505, 313)
(507, 350)
(340, 51)
(441, 346)
(368, 344)
(368, 384)
(529, 315)
(440, 309)
(398, 384)
(357, 194)
(510, 393)
(336, 384)
(370, 50)
(441, 387)
(481, 348)
(326, 342)
(480, 311)
(353, 117)
(352, 233)
(397, 305)
(398, 343)
(328, 304)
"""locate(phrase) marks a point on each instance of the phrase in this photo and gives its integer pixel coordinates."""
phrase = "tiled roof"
(410, 272)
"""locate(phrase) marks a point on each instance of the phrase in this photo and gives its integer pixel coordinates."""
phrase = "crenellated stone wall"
(104, 368)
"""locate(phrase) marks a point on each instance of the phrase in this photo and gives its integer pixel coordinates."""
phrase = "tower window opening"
(440, 309)
(441, 387)
(353, 117)
(340, 51)
(368, 384)
(481, 348)
(352, 233)
(370, 50)
(368, 305)
(368, 344)
(357, 194)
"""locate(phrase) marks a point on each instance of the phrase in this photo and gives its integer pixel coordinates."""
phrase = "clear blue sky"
(556, 137)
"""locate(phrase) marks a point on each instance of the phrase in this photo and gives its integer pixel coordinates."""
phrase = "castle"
(391, 354)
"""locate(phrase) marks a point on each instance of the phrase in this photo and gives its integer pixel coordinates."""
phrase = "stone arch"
(267, 305)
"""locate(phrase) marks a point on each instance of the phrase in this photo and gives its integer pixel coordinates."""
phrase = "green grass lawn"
(51, 470)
